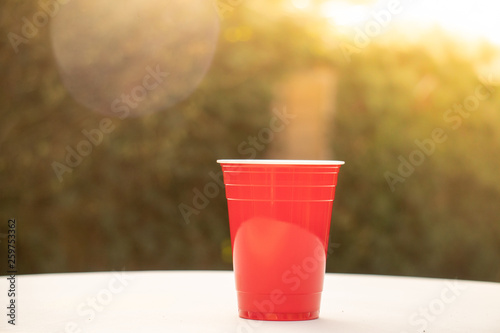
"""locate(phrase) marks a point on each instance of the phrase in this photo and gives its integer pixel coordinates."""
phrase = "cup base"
(278, 316)
(286, 307)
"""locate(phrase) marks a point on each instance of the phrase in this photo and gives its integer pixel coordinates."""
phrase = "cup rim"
(280, 162)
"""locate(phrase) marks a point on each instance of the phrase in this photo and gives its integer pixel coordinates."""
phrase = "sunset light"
(469, 19)
(342, 13)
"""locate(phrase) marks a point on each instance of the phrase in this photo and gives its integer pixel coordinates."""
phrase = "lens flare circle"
(133, 57)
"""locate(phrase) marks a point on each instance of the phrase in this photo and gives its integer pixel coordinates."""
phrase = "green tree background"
(119, 209)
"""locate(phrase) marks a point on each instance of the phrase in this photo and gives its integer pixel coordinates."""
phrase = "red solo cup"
(279, 218)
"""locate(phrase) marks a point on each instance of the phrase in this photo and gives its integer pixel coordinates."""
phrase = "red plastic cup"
(279, 218)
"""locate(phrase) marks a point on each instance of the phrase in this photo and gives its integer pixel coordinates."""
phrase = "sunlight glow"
(301, 4)
(343, 13)
(469, 19)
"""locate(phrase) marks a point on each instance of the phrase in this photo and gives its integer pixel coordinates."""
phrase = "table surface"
(205, 301)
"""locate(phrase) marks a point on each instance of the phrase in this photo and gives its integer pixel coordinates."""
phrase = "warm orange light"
(301, 4)
(343, 13)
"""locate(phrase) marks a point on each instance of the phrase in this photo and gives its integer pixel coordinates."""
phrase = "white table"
(205, 301)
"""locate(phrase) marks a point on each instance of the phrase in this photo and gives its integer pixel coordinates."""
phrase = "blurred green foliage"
(119, 209)
(444, 219)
